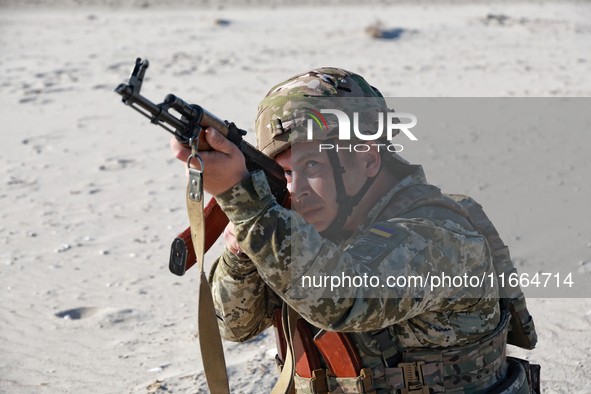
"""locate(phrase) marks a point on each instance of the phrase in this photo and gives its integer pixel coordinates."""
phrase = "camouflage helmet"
(280, 121)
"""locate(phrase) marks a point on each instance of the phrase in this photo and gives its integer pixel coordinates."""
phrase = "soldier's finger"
(179, 151)
(229, 230)
(218, 142)
(231, 241)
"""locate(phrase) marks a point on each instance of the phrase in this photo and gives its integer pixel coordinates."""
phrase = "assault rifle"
(192, 121)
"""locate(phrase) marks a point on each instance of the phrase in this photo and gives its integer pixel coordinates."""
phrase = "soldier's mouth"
(311, 213)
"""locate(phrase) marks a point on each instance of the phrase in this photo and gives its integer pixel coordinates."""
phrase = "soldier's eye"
(287, 173)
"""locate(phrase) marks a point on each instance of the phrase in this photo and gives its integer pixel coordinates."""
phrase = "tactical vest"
(456, 369)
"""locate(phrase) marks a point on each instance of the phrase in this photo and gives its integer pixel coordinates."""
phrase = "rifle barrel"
(130, 97)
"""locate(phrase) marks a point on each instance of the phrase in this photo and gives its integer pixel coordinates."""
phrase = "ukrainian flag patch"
(382, 231)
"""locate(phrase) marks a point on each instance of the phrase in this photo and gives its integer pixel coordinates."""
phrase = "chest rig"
(457, 369)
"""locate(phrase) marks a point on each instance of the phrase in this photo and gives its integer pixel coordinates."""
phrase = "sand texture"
(91, 196)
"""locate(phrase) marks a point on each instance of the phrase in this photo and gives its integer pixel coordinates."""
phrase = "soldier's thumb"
(217, 141)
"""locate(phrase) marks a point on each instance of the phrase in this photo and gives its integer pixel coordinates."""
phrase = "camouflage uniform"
(247, 291)
(428, 240)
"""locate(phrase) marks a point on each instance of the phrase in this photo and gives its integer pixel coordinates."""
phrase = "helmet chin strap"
(346, 203)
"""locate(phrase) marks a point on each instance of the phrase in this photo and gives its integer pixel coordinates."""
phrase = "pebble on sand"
(62, 248)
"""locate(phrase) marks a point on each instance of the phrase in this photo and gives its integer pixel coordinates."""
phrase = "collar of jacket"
(416, 177)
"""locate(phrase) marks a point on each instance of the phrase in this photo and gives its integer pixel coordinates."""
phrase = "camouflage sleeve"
(285, 249)
(243, 302)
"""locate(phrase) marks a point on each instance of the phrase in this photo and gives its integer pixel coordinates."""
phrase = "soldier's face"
(310, 180)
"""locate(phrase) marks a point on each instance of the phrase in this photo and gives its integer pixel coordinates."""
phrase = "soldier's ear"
(373, 159)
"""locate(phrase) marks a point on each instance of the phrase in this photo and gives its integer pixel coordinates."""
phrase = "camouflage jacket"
(283, 248)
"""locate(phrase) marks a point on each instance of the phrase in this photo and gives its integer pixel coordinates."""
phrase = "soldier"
(356, 213)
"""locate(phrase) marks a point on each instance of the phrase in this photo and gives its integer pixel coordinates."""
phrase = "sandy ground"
(91, 197)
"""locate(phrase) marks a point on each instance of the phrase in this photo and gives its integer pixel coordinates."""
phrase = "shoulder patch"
(377, 242)
(366, 250)
(382, 231)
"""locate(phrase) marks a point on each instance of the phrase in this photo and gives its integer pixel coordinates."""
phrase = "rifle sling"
(209, 334)
(285, 382)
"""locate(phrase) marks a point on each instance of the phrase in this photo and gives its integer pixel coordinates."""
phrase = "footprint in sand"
(116, 164)
(107, 317)
(81, 313)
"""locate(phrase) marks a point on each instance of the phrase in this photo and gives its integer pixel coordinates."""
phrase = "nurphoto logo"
(344, 124)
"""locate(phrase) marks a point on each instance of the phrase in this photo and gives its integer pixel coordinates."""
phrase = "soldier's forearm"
(242, 300)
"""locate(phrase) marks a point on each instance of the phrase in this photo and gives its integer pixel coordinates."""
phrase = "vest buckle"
(413, 378)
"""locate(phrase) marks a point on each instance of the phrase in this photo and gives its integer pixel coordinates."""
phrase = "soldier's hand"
(224, 166)
(232, 243)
